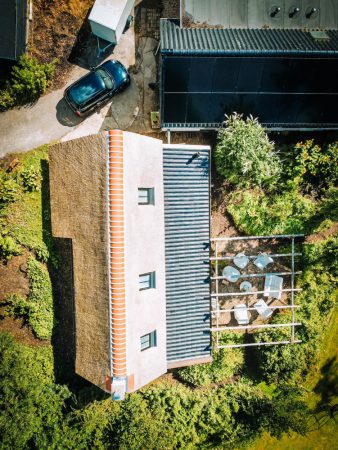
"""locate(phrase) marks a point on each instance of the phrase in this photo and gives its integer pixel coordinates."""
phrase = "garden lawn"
(324, 438)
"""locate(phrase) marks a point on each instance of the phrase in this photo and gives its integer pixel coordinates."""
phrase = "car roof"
(86, 88)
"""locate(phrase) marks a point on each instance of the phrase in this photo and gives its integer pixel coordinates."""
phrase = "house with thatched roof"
(137, 213)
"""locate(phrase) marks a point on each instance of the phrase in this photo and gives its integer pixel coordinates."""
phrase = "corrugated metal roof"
(207, 41)
(187, 233)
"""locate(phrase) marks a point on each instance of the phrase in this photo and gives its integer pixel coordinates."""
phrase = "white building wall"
(144, 252)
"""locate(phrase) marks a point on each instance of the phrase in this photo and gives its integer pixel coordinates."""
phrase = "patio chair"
(262, 261)
(262, 308)
(241, 260)
(231, 274)
(241, 314)
(273, 286)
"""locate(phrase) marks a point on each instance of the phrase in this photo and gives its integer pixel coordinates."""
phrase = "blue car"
(97, 87)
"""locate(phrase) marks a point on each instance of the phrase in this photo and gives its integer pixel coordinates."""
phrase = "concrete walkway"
(51, 120)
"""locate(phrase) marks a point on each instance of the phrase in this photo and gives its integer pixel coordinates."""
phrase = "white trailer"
(108, 18)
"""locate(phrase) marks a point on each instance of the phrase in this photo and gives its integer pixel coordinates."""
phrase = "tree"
(31, 404)
(244, 154)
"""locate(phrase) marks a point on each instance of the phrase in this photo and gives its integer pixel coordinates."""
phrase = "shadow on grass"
(327, 389)
(61, 274)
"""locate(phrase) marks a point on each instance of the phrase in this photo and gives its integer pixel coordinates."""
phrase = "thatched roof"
(79, 211)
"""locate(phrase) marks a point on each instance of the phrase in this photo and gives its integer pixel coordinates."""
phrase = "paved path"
(50, 119)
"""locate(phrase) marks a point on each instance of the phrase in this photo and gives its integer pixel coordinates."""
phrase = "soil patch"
(19, 331)
(59, 27)
(13, 278)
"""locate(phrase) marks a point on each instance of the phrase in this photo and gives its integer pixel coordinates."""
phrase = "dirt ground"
(13, 278)
(19, 331)
(59, 28)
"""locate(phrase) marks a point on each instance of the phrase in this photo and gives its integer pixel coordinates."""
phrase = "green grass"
(324, 438)
(27, 220)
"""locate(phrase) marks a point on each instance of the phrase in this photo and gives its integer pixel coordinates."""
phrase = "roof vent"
(275, 10)
(311, 13)
(320, 35)
(293, 12)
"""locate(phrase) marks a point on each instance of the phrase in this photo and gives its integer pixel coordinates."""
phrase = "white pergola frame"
(217, 311)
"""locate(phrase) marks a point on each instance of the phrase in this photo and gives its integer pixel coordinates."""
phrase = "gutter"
(246, 52)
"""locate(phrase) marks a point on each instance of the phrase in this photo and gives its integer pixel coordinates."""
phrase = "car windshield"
(108, 82)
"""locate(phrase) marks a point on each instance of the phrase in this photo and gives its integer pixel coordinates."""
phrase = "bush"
(8, 247)
(317, 300)
(225, 364)
(279, 363)
(40, 299)
(159, 417)
(29, 79)
(6, 100)
(37, 308)
(327, 213)
(9, 190)
(256, 213)
(31, 403)
(16, 306)
(28, 218)
(312, 167)
(31, 179)
(244, 154)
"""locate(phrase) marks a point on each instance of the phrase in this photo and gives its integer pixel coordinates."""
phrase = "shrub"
(16, 306)
(28, 218)
(37, 308)
(31, 178)
(31, 403)
(280, 363)
(256, 213)
(9, 190)
(30, 79)
(159, 417)
(225, 364)
(6, 99)
(312, 167)
(327, 210)
(244, 154)
(42, 254)
(40, 299)
(8, 247)
(317, 300)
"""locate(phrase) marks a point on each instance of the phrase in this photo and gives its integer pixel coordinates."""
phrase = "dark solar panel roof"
(211, 41)
(13, 26)
(187, 234)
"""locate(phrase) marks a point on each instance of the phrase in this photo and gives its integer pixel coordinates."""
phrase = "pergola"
(217, 257)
